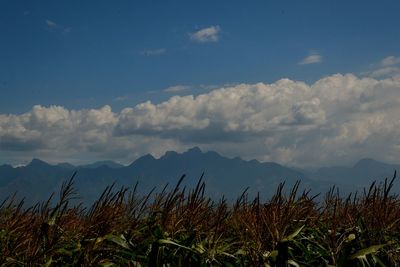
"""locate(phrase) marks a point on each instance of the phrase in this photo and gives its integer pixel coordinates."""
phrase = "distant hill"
(223, 176)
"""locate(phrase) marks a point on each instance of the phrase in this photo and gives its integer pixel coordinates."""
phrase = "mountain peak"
(108, 163)
(146, 159)
(38, 163)
(367, 162)
(169, 154)
(194, 150)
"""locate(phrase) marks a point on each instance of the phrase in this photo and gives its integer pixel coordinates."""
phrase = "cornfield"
(184, 227)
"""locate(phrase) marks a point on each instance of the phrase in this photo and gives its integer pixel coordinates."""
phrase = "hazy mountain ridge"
(362, 173)
(223, 176)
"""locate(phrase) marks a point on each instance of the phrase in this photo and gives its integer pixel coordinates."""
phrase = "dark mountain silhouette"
(66, 165)
(223, 176)
(109, 163)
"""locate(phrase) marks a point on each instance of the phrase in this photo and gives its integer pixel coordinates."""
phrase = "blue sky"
(83, 54)
(271, 80)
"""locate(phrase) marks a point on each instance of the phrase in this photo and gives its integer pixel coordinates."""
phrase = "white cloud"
(385, 72)
(390, 61)
(51, 24)
(153, 52)
(121, 98)
(56, 127)
(338, 119)
(387, 67)
(176, 88)
(209, 34)
(311, 59)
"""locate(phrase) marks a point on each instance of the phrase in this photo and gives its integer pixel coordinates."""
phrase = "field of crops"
(183, 227)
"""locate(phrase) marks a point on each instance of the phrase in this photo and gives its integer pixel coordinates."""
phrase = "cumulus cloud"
(55, 127)
(338, 119)
(209, 34)
(311, 59)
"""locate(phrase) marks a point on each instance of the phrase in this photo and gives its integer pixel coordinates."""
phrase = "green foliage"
(180, 228)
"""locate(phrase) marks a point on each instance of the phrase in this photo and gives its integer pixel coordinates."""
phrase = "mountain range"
(223, 176)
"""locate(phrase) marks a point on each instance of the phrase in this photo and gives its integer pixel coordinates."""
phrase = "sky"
(301, 83)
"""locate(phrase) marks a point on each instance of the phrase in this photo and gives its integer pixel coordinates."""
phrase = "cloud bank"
(338, 119)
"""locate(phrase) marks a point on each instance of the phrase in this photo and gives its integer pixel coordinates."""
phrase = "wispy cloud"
(53, 26)
(311, 59)
(390, 61)
(176, 88)
(387, 67)
(153, 52)
(209, 34)
(385, 72)
(121, 98)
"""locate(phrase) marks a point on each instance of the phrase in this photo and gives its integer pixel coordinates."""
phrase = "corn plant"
(184, 227)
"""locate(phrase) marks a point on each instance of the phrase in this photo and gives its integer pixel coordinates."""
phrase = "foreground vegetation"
(181, 227)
